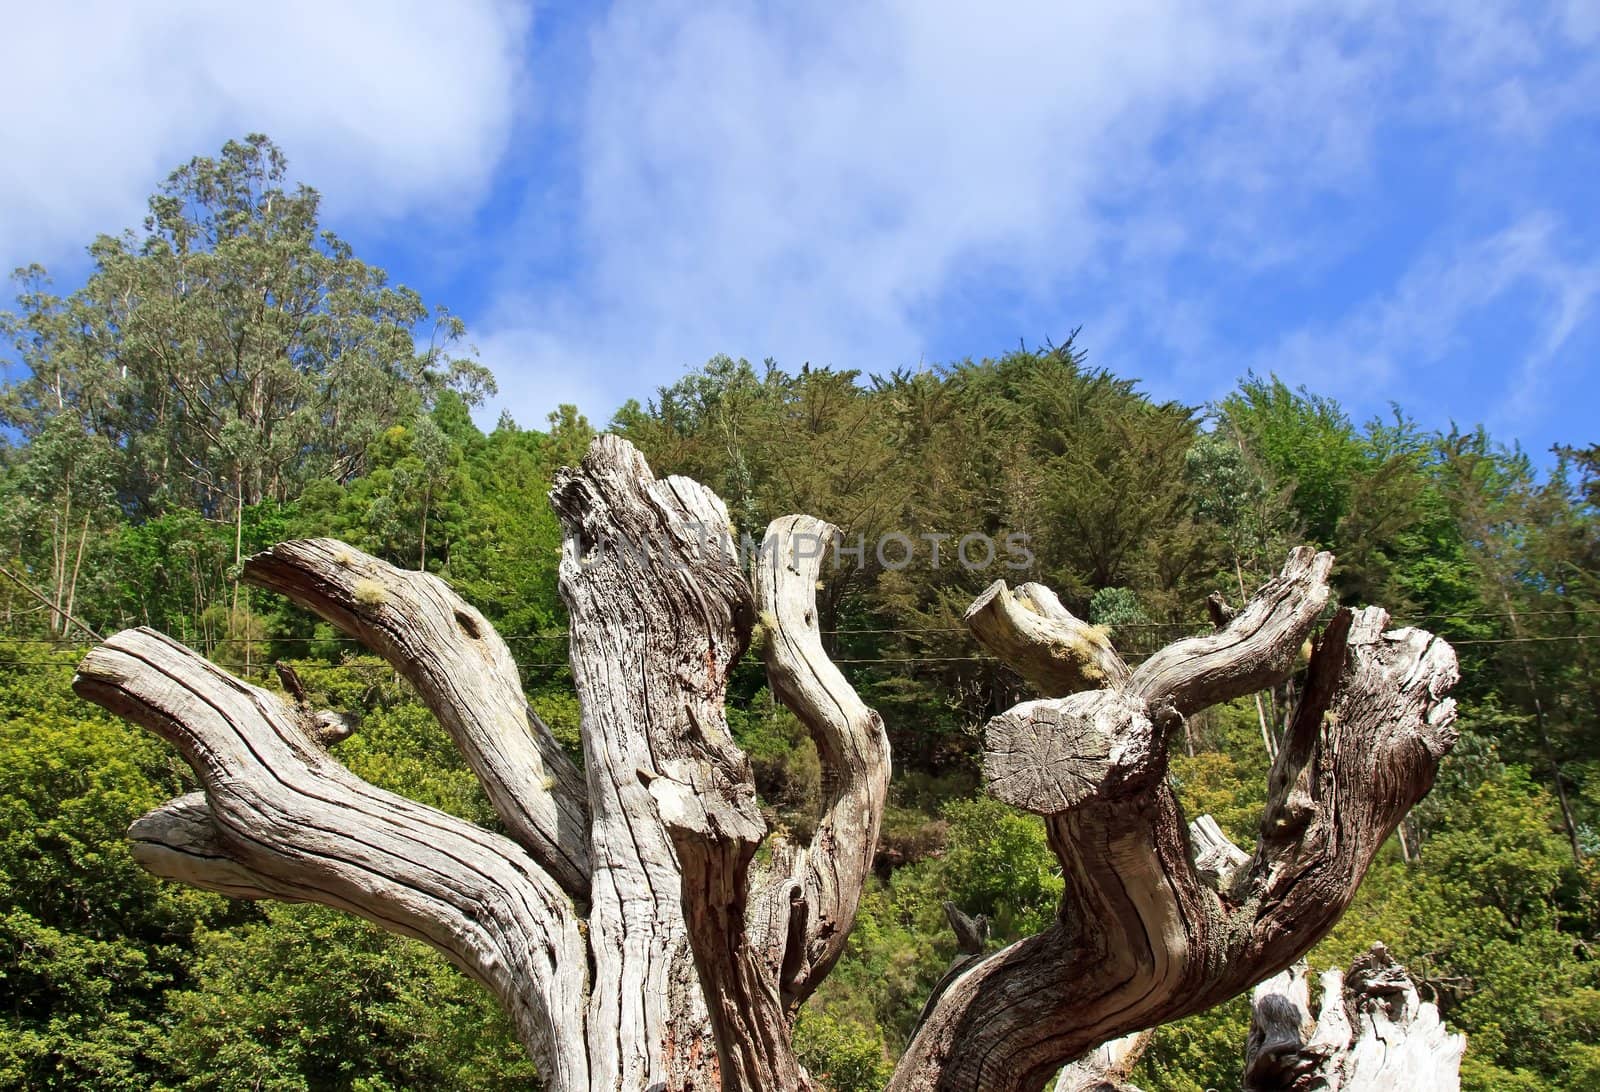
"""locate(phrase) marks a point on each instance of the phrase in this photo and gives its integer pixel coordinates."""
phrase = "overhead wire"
(551, 664)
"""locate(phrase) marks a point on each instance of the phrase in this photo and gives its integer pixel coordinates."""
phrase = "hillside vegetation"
(232, 376)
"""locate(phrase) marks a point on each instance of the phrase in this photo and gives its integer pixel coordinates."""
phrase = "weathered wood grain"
(463, 672)
(816, 895)
(1145, 935)
(287, 820)
(1056, 652)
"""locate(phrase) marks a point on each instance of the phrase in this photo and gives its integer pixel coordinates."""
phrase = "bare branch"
(282, 818)
(325, 727)
(1042, 641)
(1373, 755)
(817, 897)
(1256, 649)
(178, 841)
(465, 675)
(1144, 936)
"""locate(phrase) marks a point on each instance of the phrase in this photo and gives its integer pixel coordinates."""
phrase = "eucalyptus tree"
(231, 351)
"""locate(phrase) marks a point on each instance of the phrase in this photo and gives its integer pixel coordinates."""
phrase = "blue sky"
(1383, 202)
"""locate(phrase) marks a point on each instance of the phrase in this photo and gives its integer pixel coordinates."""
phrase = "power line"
(41, 597)
(916, 659)
(561, 635)
(909, 631)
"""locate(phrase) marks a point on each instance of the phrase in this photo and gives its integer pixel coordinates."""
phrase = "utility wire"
(562, 635)
(912, 659)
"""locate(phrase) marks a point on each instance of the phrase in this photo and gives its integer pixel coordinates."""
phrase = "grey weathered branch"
(1216, 858)
(1044, 642)
(814, 898)
(325, 727)
(282, 818)
(1142, 937)
(465, 675)
(676, 980)
(1373, 1033)
(1256, 649)
(972, 937)
(179, 841)
(660, 611)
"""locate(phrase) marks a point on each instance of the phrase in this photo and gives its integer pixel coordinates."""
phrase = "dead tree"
(622, 918)
(1373, 1033)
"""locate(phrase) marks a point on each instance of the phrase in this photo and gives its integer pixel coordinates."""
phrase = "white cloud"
(388, 107)
(840, 184)
(819, 186)
(520, 358)
(1409, 339)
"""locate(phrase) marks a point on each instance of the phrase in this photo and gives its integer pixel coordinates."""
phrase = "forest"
(231, 375)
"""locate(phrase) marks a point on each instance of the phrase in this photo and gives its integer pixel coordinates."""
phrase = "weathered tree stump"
(622, 919)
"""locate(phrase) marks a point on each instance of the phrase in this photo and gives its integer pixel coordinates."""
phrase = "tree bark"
(623, 919)
(279, 817)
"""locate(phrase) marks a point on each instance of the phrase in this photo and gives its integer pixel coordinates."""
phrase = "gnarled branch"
(179, 841)
(692, 965)
(1143, 937)
(464, 673)
(814, 898)
(283, 819)
(1056, 652)
(1254, 650)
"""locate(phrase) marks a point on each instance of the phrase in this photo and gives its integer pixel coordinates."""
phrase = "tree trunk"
(1144, 935)
(623, 919)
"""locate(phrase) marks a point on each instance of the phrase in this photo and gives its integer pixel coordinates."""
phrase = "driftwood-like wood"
(1373, 1033)
(1216, 858)
(1142, 938)
(1056, 652)
(659, 614)
(810, 903)
(464, 673)
(288, 821)
(623, 918)
(1254, 650)
(619, 920)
